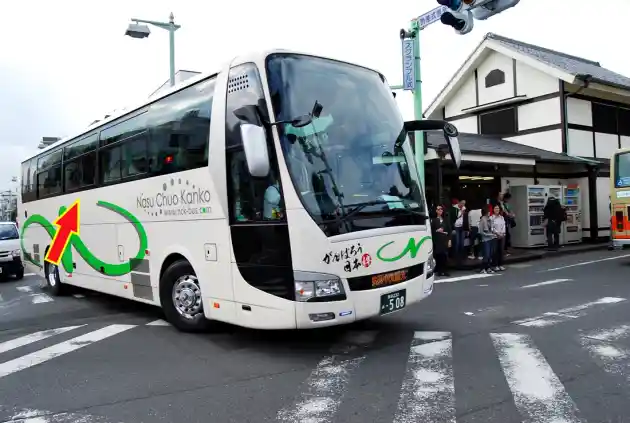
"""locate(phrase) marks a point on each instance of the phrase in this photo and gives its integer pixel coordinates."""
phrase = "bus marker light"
(126, 286)
(345, 313)
(216, 305)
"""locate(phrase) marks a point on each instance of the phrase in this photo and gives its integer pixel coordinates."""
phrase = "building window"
(623, 122)
(495, 77)
(502, 122)
(604, 118)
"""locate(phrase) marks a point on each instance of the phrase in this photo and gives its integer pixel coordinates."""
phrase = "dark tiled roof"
(573, 65)
(483, 144)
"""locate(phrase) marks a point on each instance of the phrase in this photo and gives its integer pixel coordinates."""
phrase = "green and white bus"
(280, 192)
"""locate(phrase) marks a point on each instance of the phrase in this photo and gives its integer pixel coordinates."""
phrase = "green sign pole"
(414, 33)
(417, 101)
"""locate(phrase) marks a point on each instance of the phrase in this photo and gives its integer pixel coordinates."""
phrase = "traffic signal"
(462, 22)
(491, 8)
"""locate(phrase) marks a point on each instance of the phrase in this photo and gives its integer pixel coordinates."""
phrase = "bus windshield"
(622, 170)
(355, 157)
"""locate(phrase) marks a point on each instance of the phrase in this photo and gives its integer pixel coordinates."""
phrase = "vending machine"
(528, 203)
(572, 228)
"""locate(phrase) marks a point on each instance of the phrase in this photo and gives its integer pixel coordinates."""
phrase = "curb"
(536, 255)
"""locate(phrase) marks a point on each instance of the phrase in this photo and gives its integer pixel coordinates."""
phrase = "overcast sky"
(66, 63)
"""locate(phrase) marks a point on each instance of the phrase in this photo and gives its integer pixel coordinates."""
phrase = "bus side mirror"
(255, 147)
(450, 135)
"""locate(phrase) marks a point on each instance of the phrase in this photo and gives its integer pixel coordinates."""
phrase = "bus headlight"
(16, 253)
(430, 265)
(310, 285)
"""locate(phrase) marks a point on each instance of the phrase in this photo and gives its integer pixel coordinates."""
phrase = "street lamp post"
(136, 30)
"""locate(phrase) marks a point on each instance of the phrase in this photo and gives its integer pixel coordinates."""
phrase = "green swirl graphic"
(97, 264)
(412, 248)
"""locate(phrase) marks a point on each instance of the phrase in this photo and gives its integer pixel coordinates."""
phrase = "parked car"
(11, 262)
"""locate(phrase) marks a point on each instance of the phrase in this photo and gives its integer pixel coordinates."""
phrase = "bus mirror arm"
(450, 135)
(255, 147)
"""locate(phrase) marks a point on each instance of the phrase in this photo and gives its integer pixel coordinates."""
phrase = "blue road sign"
(431, 17)
(409, 65)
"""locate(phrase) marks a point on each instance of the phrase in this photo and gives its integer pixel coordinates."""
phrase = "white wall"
(548, 140)
(605, 145)
(625, 142)
(507, 182)
(603, 212)
(534, 83)
(466, 125)
(498, 92)
(541, 113)
(463, 99)
(580, 143)
(579, 112)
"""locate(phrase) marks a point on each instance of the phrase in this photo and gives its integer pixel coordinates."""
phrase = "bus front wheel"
(53, 281)
(180, 296)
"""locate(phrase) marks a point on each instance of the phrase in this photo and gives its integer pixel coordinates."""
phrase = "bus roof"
(250, 57)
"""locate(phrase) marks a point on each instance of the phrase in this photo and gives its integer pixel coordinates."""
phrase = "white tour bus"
(280, 192)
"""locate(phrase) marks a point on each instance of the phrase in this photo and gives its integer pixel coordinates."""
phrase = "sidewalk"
(519, 255)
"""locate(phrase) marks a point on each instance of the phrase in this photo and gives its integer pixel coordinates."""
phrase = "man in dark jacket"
(554, 215)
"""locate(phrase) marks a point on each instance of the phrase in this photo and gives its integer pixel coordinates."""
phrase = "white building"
(531, 96)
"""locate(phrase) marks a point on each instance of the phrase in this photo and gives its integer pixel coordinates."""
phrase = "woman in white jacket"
(498, 229)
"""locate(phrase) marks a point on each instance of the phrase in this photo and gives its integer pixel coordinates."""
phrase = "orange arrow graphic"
(68, 224)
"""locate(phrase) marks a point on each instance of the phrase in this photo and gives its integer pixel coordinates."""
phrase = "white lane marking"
(482, 285)
(428, 389)
(40, 298)
(62, 348)
(30, 274)
(25, 288)
(565, 314)
(33, 337)
(538, 393)
(78, 296)
(551, 282)
(469, 313)
(158, 322)
(464, 278)
(584, 263)
(322, 392)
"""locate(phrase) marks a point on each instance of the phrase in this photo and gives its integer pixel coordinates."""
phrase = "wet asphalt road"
(546, 341)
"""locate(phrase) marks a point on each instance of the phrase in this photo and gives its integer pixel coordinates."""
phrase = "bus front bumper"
(619, 243)
(360, 305)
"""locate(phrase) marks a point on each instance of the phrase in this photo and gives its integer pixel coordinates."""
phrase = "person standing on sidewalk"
(554, 216)
(498, 229)
(441, 232)
(487, 239)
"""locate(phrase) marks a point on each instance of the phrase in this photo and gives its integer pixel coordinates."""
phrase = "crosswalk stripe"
(565, 314)
(33, 337)
(158, 322)
(324, 389)
(41, 298)
(62, 348)
(538, 394)
(614, 359)
(428, 389)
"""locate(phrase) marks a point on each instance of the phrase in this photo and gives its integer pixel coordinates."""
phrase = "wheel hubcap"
(52, 274)
(187, 296)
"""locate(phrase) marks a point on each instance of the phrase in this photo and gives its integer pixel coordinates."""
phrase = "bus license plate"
(393, 301)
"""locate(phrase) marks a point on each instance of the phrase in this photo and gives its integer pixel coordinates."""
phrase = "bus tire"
(53, 281)
(181, 300)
